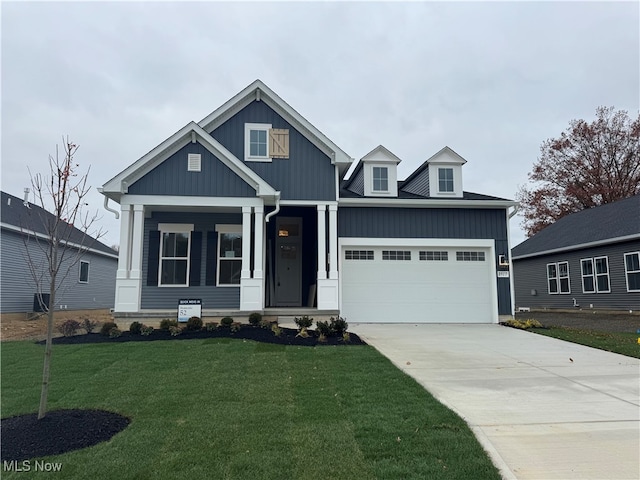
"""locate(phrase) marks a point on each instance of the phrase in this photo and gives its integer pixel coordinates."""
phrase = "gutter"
(106, 205)
(271, 214)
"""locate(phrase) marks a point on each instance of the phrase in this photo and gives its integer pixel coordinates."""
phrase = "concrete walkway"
(542, 408)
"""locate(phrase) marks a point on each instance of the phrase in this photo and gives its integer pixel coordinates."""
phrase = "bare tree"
(63, 233)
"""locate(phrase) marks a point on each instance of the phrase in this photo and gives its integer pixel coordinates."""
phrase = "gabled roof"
(191, 132)
(380, 153)
(30, 218)
(259, 91)
(445, 155)
(610, 223)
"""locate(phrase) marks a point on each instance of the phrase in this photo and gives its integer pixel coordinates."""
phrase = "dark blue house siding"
(213, 297)
(530, 274)
(306, 175)
(375, 222)
(172, 178)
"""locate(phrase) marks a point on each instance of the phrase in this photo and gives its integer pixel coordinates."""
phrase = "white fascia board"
(190, 201)
(416, 242)
(386, 156)
(42, 236)
(441, 157)
(424, 203)
(579, 246)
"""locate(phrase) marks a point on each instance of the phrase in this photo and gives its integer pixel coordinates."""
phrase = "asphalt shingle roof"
(402, 195)
(606, 222)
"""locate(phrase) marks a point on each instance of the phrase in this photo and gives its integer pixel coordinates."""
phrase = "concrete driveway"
(542, 408)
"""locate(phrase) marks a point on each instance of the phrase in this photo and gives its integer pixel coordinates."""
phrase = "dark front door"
(288, 278)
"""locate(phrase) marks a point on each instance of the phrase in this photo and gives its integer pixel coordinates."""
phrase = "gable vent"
(194, 162)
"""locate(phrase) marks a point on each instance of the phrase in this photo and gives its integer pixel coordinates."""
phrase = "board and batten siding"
(171, 177)
(213, 297)
(530, 274)
(19, 287)
(306, 175)
(445, 223)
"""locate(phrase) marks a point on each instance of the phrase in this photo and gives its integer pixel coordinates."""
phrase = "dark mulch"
(246, 332)
(60, 431)
(586, 320)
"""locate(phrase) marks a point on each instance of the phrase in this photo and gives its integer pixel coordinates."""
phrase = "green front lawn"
(231, 409)
(622, 343)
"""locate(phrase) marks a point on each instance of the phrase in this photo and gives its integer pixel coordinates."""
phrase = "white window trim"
(80, 271)
(174, 228)
(627, 272)
(373, 179)
(221, 229)
(592, 275)
(596, 274)
(247, 148)
(453, 180)
(558, 278)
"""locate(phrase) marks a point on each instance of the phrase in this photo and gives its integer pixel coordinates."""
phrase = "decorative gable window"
(263, 143)
(229, 254)
(380, 179)
(445, 180)
(175, 246)
(632, 271)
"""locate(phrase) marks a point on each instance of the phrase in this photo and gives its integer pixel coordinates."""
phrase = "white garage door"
(418, 285)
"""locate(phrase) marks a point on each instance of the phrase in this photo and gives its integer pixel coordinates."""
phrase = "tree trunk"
(42, 411)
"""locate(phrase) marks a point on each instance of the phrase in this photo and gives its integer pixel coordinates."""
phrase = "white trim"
(174, 228)
(453, 180)
(422, 203)
(627, 272)
(229, 227)
(222, 229)
(557, 278)
(579, 246)
(80, 271)
(591, 275)
(263, 127)
(190, 201)
(595, 272)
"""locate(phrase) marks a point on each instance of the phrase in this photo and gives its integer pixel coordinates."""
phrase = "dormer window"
(380, 179)
(445, 180)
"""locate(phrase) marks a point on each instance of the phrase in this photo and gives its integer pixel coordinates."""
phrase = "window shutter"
(195, 259)
(153, 258)
(279, 143)
(212, 258)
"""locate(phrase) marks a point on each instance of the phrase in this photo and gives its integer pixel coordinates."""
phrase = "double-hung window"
(632, 271)
(602, 274)
(588, 278)
(229, 254)
(380, 179)
(558, 278)
(175, 247)
(83, 274)
(445, 180)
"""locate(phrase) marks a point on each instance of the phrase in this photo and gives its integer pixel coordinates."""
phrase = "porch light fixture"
(283, 233)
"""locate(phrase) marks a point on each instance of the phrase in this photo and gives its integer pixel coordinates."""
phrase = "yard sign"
(189, 307)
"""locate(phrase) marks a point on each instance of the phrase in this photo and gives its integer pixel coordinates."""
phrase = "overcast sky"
(490, 80)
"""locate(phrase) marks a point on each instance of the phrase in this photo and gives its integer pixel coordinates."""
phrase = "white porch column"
(322, 246)
(333, 242)
(251, 289)
(136, 242)
(258, 242)
(246, 243)
(125, 240)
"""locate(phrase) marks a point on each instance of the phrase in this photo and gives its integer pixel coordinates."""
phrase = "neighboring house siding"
(19, 287)
(419, 185)
(306, 175)
(172, 178)
(372, 222)
(357, 184)
(531, 274)
(154, 297)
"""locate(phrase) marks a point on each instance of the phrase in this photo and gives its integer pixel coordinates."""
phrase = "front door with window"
(288, 271)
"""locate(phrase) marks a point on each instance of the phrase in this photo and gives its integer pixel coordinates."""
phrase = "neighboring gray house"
(589, 259)
(89, 285)
(250, 210)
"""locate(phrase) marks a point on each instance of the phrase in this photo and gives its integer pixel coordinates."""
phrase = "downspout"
(516, 209)
(106, 206)
(271, 214)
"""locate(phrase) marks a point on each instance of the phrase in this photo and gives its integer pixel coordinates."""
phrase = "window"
(396, 255)
(256, 147)
(470, 256)
(558, 278)
(83, 276)
(632, 271)
(588, 280)
(358, 255)
(380, 179)
(595, 275)
(602, 274)
(445, 180)
(229, 254)
(175, 243)
(434, 256)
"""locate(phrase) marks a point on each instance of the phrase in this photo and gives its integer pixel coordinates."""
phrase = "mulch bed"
(246, 332)
(60, 431)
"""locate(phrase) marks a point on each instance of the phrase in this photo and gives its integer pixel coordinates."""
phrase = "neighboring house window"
(396, 255)
(445, 180)
(256, 148)
(84, 272)
(558, 277)
(632, 271)
(175, 243)
(602, 274)
(595, 275)
(229, 254)
(380, 179)
(588, 279)
(358, 255)
(470, 256)
(434, 256)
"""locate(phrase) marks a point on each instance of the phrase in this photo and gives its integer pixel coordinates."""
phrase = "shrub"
(322, 338)
(255, 318)
(235, 327)
(226, 321)
(69, 327)
(167, 323)
(264, 323)
(135, 328)
(304, 322)
(210, 326)
(323, 329)
(114, 332)
(346, 337)
(277, 331)
(146, 330)
(106, 328)
(338, 325)
(194, 323)
(524, 324)
(175, 330)
(89, 325)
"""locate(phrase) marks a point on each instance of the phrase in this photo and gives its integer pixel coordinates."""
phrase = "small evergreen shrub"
(194, 323)
(304, 322)
(69, 328)
(114, 332)
(135, 328)
(175, 330)
(106, 328)
(323, 329)
(146, 330)
(255, 318)
(89, 325)
(210, 326)
(167, 323)
(338, 325)
(226, 321)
